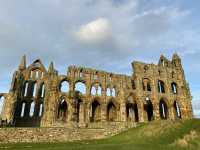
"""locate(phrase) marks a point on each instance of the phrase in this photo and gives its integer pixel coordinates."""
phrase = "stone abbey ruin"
(87, 97)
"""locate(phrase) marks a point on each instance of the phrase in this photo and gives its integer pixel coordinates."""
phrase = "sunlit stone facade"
(85, 96)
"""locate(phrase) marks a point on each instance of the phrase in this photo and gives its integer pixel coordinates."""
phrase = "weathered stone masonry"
(86, 97)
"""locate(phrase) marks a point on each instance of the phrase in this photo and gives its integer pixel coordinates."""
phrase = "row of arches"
(95, 112)
(112, 111)
(31, 89)
(95, 89)
(29, 109)
(161, 86)
(36, 74)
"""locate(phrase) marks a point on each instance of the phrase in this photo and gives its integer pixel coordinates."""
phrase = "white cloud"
(95, 32)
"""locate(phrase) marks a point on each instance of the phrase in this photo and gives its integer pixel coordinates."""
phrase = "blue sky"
(105, 34)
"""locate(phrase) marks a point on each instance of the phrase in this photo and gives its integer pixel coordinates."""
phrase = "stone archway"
(95, 111)
(111, 112)
(62, 110)
(148, 107)
(177, 110)
(132, 112)
(163, 109)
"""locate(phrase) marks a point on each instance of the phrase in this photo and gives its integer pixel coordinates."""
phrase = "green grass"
(157, 135)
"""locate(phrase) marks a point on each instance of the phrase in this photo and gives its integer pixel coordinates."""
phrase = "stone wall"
(154, 91)
(60, 134)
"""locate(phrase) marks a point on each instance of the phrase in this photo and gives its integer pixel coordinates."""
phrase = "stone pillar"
(88, 112)
(70, 113)
(50, 103)
(171, 111)
(81, 115)
(141, 112)
(156, 111)
(173, 117)
(104, 112)
(123, 112)
(8, 108)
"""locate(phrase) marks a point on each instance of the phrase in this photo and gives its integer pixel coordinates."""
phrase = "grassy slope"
(165, 135)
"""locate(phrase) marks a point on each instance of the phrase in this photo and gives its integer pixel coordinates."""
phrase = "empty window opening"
(163, 110)
(174, 88)
(113, 92)
(111, 112)
(64, 86)
(132, 112)
(26, 89)
(37, 74)
(41, 110)
(80, 87)
(42, 90)
(2, 101)
(93, 90)
(148, 107)
(99, 90)
(146, 85)
(108, 92)
(96, 112)
(161, 86)
(62, 110)
(22, 109)
(32, 107)
(177, 110)
(34, 89)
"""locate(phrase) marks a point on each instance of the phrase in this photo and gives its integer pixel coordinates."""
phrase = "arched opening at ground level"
(111, 112)
(163, 109)
(148, 107)
(177, 110)
(132, 112)
(26, 113)
(79, 110)
(62, 110)
(95, 111)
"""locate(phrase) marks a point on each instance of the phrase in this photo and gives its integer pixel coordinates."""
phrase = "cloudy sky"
(105, 34)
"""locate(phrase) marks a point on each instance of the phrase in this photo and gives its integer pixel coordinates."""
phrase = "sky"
(103, 34)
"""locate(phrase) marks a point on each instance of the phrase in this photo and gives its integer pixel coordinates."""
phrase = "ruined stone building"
(85, 96)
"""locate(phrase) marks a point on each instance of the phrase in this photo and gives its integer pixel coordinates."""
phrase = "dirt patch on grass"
(185, 141)
(157, 127)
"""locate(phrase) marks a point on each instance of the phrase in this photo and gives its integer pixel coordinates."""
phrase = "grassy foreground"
(157, 135)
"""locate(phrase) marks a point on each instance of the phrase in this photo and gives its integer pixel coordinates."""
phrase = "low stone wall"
(61, 134)
(14, 135)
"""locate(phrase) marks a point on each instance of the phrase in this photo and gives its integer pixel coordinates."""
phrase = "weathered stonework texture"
(87, 97)
(61, 134)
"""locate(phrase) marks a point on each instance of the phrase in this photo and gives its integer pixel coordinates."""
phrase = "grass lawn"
(157, 135)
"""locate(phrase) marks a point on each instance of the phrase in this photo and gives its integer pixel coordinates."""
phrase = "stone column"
(88, 112)
(141, 112)
(81, 115)
(8, 109)
(104, 112)
(70, 113)
(123, 112)
(156, 111)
